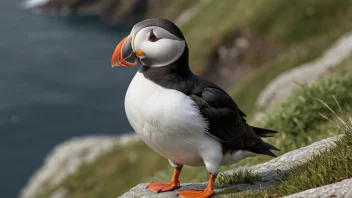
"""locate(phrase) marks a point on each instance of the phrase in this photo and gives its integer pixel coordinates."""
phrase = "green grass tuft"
(328, 167)
(241, 177)
(299, 116)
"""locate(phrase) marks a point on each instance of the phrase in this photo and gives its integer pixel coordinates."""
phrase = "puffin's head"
(154, 42)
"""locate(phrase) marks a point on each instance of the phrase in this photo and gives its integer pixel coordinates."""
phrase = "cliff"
(245, 46)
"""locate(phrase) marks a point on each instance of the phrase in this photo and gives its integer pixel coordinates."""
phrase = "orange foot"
(163, 186)
(195, 193)
(207, 192)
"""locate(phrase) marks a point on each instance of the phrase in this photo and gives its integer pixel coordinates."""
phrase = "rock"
(66, 158)
(140, 191)
(282, 86)
(270, 172)
(339, 189)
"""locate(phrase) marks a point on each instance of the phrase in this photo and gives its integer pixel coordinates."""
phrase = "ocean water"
(56, 82)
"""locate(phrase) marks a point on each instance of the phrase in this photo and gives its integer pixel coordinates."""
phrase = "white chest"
(167, 120)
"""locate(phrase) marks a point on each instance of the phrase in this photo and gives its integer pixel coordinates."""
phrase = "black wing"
(227, 122)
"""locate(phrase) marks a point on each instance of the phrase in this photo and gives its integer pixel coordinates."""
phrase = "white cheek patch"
(162, 52)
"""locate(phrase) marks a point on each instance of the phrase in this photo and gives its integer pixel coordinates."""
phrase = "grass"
(241, 177)
(329, 166)
(298, 117)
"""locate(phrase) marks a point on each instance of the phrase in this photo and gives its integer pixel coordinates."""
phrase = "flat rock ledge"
(270, 172)
(339, 189)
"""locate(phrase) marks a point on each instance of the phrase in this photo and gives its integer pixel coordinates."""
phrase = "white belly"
(170, 123)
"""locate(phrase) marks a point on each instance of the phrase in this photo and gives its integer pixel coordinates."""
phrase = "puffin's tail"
(261, 132)
(264, 147)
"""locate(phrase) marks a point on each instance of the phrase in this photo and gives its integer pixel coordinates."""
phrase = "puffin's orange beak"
(124, 55)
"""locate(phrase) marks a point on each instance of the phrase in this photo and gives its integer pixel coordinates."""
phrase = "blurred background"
(57, 83)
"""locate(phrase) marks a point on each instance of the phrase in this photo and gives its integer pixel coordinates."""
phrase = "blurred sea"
(56, 82)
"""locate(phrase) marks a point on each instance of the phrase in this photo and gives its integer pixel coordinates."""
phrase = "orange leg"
(207, 192)
(164, 186)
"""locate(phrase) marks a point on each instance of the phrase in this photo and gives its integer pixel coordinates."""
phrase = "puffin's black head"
(155, 42)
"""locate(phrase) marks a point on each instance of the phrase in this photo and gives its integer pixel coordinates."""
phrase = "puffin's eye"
(152, 37)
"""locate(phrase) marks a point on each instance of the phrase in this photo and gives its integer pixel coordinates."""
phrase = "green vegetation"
(241, 177)
(328, 167)
(298, 117)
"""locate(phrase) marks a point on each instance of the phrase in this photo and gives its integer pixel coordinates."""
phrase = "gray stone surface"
(140, 191)
(338, 190)
(270, 172)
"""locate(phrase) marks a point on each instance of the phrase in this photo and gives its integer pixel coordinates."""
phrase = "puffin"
(180, 115)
